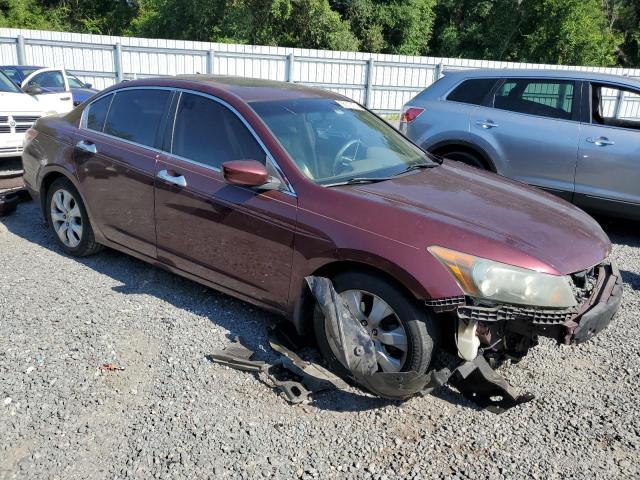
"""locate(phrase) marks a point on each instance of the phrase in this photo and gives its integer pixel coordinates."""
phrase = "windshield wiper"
(416, 166)
(358, 180)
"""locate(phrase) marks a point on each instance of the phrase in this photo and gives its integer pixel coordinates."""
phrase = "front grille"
(445, 304)
(22, 128)
(4, 119)
(510, 312)
(25, 118)
(5, 129)
(10, 149)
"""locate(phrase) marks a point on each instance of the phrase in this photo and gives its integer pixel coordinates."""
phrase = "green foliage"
(624, 19)
(28, 14)
(588, 32)
(390, 26)
(542, 31)
(303, 23)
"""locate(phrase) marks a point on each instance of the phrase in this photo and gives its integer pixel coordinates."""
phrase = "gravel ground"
(172, 414)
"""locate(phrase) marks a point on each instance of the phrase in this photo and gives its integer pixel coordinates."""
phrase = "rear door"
(532, 126)
(239, 238)
(608, 171)
(56, 96)
(116, 158)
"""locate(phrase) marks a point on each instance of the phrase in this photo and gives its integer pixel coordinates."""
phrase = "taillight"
(409, 114)
(30, 134)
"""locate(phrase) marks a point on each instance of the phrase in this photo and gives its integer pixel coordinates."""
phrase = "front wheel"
(403, 333)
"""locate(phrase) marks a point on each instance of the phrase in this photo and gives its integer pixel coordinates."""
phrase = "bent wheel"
(403, 333)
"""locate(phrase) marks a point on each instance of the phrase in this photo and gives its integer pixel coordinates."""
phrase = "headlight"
(499, 282)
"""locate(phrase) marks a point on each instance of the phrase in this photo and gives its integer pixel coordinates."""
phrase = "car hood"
(18, 102)
(489, 216)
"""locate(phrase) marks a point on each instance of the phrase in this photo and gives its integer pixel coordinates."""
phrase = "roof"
(21, 67)
(248, 89)
(543, 73)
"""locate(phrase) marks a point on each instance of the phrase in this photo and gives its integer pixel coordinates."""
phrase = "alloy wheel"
(66, 218)
(385, 329)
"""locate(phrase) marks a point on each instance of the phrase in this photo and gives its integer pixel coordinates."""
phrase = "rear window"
(136, 115)
(97, 112)
(545, 98)
(472, 91)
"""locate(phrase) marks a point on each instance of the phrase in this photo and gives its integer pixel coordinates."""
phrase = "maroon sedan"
(250, 186)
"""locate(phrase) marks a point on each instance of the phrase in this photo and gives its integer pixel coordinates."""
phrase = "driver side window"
(615, 107)
(48, 80)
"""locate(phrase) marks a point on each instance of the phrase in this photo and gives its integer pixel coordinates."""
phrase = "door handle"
(88, 147)
(64, 99)
(601, 141)
(487, 124)
(178, 180)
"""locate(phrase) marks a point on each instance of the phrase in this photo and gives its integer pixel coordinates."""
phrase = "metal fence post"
(20, 50)
(438, 72)
(368, 99)
(117, 62)
(211, 55)
(291, 61)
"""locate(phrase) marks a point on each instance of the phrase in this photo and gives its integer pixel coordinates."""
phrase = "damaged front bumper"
(511, 330)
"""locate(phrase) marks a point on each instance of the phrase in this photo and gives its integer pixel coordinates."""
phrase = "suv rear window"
(472, 91)
(545, 98)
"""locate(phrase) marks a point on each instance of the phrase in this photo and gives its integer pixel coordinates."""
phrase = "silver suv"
(575, 134)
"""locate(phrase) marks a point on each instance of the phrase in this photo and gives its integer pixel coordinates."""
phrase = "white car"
(20, 110)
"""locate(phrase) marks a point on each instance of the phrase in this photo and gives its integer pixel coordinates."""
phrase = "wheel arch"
(51, 175)
(441, 148)
(305, 302)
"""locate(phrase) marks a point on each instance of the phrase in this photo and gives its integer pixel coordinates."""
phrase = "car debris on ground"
(475, 379)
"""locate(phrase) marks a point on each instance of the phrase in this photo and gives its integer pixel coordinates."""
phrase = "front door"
(55, 96)
(608, 171)
(533, 125)
(239, 238)
(115, 157)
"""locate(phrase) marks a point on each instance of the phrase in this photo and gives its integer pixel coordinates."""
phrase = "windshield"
(74, 82)
(6, 85)
(336, 140)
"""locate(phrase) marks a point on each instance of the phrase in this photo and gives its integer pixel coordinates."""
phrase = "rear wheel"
(402, 332)
(465, 157)
(67, 217)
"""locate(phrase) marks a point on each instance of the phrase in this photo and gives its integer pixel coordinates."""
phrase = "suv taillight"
(409, 114)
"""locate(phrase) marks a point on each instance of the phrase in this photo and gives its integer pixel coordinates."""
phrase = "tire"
(466, 157)
(415, 321)
(67, 217)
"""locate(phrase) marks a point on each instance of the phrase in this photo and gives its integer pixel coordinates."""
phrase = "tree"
(542, 31)
(28, 14)
(624, 21)
(299, 23)
(390, 26)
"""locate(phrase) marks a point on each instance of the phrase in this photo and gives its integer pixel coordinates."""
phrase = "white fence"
(382, 82)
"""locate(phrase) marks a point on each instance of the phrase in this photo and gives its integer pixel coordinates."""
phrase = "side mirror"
(87, 85)
(249, 173)
(32, 89)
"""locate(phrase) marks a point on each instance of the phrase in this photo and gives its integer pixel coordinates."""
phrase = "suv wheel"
(68, 219)
(402, 332)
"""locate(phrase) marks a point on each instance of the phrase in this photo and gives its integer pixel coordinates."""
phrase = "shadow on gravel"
(631, 278)
(625, 232)
(139, 278)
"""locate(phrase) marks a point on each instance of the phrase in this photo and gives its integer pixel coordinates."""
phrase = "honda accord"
(251, 186)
